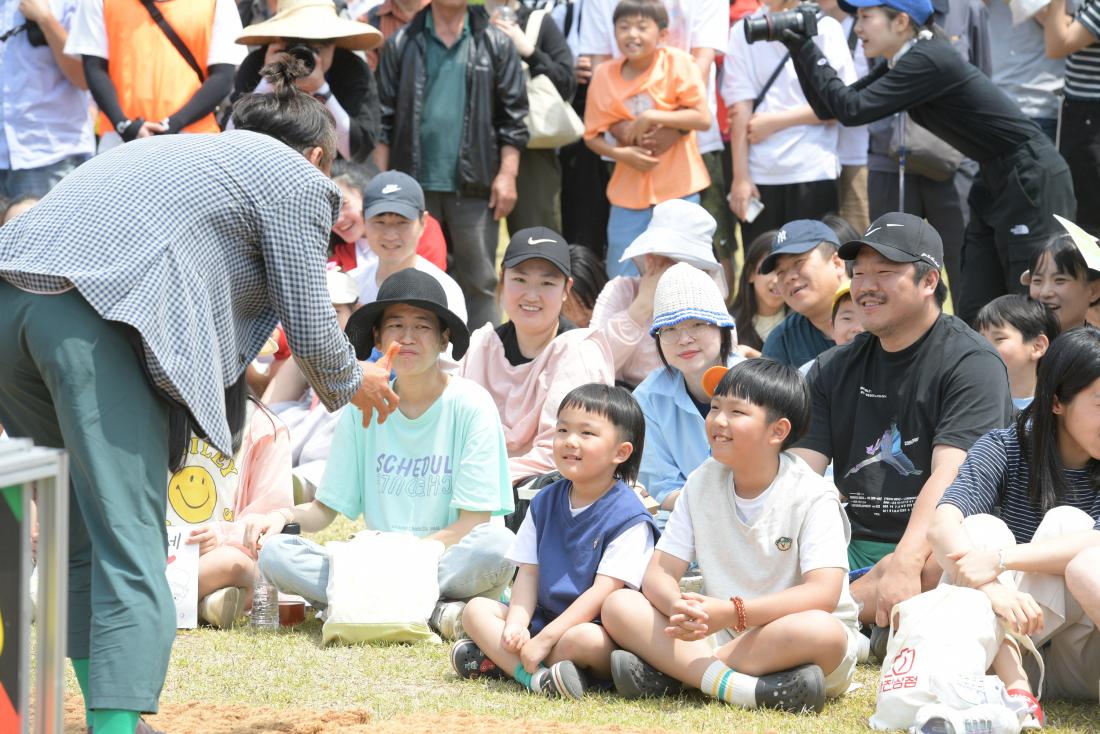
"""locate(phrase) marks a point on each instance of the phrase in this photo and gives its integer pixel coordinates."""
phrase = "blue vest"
(570, 548)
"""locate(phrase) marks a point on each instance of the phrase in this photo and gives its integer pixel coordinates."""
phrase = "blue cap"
(919, 10)
(795, 238)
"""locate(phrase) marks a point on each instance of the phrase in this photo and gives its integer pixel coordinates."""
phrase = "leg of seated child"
(297, 565)
(586, 646)
(223, 567)
(483, 620)
(731, 672)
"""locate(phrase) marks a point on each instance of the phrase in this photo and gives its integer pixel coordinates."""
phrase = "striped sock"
(726, 684)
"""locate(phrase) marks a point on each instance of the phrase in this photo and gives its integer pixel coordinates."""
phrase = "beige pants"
(853, 197)
(1069, 641)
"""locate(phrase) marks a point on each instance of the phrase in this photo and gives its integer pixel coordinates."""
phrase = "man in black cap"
(897, 408)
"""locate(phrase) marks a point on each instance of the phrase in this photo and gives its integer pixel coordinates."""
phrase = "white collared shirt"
(44, 118)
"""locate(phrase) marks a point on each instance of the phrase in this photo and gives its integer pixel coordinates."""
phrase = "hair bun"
(282, 74)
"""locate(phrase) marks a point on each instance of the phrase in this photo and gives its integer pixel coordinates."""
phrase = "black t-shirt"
(879, 414)
(507, 334)
(941, 91)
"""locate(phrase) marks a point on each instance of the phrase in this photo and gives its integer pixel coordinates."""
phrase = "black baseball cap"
(393, 192)
(902, 238)
(538, 242)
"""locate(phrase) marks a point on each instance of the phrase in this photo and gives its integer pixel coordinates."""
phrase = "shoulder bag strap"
(534, 25)
(173, 37)
(768, 84)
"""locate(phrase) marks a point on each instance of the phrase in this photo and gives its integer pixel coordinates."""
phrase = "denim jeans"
(37, 182)
(623, 227)
(474, 566)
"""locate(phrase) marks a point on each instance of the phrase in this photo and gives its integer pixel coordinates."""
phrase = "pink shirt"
(265, 479)
(633, 349)
(528, 395)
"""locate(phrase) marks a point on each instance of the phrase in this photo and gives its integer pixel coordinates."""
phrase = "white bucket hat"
(314, 20)
(679, 230)
(685, 292)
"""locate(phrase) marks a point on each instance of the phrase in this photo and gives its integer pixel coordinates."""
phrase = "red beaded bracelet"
(739, 605)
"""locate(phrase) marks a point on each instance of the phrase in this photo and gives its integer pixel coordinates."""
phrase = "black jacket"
(496, 100)
(352, 84)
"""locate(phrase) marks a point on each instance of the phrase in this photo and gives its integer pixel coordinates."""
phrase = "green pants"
(69, 379)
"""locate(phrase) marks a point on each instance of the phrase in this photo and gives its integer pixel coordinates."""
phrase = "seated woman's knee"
(1083, 575)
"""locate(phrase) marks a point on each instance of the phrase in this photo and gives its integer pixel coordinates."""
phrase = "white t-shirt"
(691, 24)
(802, 153)
(821, 542)
(88, 36)
(854, 140)
(366, 277)
(625, 558)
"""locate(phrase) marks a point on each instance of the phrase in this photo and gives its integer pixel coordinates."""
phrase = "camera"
(770, 26)
(306, 54)
(35, 36)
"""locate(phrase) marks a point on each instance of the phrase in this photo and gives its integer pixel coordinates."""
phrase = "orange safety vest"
(150, 76)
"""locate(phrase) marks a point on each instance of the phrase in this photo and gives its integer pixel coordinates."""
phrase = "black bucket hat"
(410, 287)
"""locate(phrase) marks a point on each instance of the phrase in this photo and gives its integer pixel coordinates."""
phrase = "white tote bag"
(382, 587)
(551, 121)
(950, 630)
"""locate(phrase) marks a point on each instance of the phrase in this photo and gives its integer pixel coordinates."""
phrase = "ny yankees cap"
(902, 238)
(538, 242)
(393, 192)
(795, 238)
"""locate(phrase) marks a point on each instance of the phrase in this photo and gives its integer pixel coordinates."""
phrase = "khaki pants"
(854, 205)
(1069, 641)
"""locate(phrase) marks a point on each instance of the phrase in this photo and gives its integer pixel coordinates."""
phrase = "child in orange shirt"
(649, 88)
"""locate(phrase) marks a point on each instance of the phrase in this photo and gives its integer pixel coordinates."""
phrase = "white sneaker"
(446, 619)
(989, 718)
(223, 608)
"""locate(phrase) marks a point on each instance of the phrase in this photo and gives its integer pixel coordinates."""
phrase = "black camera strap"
(173, 37)
(771, 80)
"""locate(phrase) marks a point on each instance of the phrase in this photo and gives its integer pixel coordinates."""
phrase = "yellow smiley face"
(192, 494)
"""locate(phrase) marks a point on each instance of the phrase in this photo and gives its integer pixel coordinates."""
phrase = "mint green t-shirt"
(413, 476)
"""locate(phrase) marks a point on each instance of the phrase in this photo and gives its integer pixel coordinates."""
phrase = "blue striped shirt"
(995, 475)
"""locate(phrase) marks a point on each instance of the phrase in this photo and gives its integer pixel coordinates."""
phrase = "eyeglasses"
(675, 333)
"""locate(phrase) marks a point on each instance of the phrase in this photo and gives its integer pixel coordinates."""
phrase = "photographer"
(340, 79)
(1023, 180)
(42, 90)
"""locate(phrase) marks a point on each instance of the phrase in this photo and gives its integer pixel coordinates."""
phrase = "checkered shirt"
(202, 243)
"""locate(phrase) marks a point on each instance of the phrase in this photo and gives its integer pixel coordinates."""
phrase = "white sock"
(726, 684)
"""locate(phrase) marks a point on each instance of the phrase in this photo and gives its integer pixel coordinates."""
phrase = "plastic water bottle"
(265, 602)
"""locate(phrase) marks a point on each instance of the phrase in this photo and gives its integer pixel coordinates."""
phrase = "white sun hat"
(312, 20)
(679, 230)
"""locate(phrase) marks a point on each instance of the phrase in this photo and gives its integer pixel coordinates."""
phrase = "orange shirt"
(672, 82)
(150, 76)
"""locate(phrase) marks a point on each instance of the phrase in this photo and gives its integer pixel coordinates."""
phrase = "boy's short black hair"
(653, 9)
(776, 387)
(618, 406)
(1028, 317)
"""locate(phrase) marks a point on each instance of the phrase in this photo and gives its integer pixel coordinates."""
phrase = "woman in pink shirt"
(534, 359)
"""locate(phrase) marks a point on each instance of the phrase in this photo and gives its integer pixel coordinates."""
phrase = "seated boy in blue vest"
(775, 625)
(584, 537)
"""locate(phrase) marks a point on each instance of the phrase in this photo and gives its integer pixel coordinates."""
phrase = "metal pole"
(53, 589)
(902, 117)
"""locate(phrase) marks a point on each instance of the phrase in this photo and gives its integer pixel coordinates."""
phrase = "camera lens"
(305, 54)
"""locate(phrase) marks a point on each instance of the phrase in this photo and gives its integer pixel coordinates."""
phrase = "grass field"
(246, 682)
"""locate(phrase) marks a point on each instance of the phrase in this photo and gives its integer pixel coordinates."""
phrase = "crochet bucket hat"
(686, 292)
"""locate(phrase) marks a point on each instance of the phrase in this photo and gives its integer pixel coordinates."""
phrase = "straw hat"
(313, 20)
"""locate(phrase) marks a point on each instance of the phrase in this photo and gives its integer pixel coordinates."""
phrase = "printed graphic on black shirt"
(887, 449)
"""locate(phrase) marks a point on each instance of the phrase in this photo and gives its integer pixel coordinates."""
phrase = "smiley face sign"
(193, 494)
